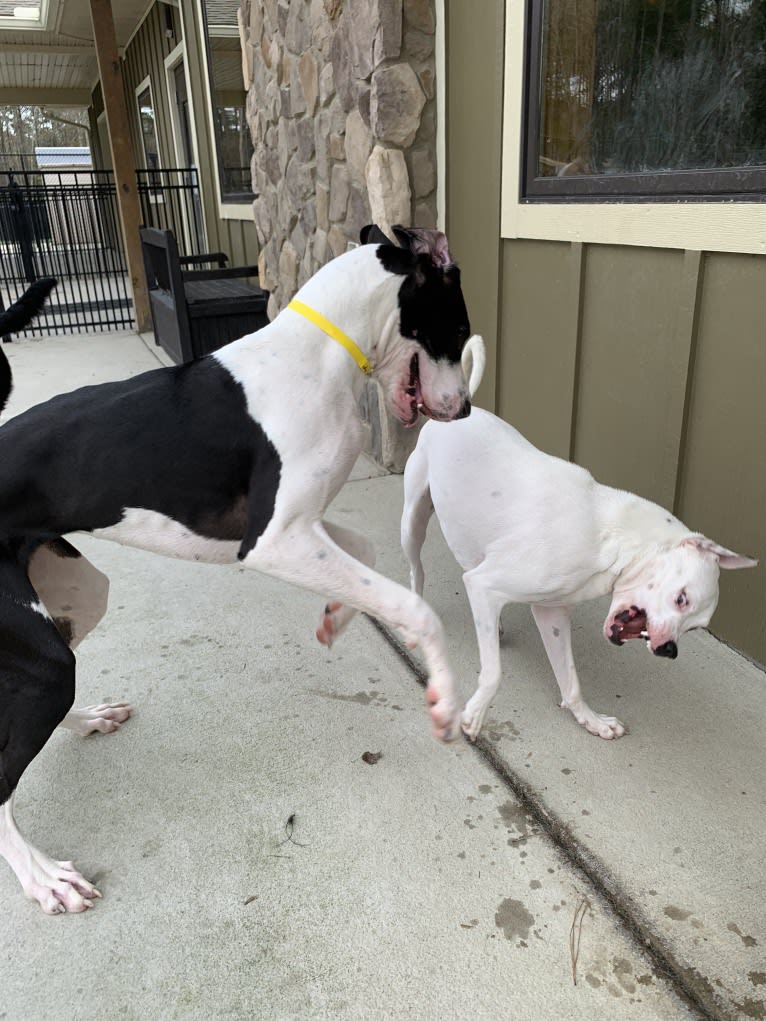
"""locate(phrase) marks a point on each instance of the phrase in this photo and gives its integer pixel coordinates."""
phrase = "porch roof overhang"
(56, 63)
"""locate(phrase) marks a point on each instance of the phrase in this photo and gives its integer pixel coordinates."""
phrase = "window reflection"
(234, 147)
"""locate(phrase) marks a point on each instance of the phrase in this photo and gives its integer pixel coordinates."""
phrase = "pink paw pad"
(326, 631)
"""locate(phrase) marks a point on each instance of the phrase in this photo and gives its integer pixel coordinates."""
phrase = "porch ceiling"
(56, 64)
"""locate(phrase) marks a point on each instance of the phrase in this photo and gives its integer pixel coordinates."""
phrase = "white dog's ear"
(727, 559)
(473, 360)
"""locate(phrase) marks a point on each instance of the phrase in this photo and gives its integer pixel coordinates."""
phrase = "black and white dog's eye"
(681, 599)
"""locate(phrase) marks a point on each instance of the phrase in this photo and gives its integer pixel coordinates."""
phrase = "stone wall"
(342, 113)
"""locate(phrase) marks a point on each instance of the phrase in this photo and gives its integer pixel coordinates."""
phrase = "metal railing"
(65, 223)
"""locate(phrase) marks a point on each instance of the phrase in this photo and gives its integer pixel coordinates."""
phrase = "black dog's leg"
(75, 594)
(37, 682)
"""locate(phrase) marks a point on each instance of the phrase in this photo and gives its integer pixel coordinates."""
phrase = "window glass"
(633, 87)
(234, 147)
(148, 129)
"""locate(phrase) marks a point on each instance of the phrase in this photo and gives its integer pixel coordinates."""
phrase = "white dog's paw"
(334, 620)
(473, 717)
(445, 715)
(102, 719)
(606, 727)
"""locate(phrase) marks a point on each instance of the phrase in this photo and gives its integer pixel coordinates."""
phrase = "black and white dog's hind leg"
(37, 683)
(75, 594)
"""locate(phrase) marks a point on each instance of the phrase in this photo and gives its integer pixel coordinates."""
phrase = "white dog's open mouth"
(630, 623)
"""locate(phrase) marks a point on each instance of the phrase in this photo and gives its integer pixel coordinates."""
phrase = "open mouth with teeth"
(413, 391)
(630, 623)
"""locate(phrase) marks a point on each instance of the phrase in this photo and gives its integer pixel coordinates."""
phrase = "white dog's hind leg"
(337, 616)
(417, 512)
(555, 627)
(486, 604)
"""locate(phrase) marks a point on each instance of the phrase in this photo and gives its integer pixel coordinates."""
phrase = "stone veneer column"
(342, 113)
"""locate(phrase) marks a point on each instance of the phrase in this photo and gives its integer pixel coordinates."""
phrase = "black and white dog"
(233, 457)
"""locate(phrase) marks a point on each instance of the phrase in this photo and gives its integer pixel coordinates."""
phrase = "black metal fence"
(65, 224)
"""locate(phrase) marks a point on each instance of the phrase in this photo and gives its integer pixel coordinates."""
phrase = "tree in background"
(679, 84)
(22, 128)
(652, 85)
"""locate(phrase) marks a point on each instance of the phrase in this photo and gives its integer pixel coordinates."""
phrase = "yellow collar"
(332, 331)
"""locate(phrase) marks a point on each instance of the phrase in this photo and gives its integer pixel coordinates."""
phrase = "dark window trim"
(734, 184)
(225, 197)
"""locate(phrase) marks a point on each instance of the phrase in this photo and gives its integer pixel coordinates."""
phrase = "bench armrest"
(221, 258)
(229, 273)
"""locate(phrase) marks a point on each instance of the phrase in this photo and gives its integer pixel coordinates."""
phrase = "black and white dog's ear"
(396, 259)
(373, 235)
(421, 241)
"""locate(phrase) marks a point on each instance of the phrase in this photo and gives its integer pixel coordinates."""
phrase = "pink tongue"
(632, 621)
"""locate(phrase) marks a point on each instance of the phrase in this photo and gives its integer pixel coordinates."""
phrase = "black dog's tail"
(15, 318)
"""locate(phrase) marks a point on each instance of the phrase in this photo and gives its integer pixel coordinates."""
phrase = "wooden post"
(123, 159)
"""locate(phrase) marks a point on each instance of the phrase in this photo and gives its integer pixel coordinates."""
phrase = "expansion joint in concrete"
(690, 986)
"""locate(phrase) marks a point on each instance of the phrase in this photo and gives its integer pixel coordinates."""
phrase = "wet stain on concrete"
(514, 817)
(514, 919)
(623, 972)
(361, 697)
(677, 914)
(758, 978)
(500, 730)
(617, 977)
(752, 1008)
(749, 941)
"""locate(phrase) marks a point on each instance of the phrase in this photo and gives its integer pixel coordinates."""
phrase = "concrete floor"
(437, 882)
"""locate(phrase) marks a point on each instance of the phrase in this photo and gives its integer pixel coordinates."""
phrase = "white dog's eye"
(681, 599)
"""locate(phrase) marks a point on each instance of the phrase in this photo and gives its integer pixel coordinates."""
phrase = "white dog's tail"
(473, 360)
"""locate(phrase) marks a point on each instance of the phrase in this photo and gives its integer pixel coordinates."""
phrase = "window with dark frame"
(639, 100)
(233, 144)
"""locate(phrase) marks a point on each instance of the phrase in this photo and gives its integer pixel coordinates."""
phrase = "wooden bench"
(196, 311)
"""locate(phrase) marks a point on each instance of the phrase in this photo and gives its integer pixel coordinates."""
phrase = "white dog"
(530, 528)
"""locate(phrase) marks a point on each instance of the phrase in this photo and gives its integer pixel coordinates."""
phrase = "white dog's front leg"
(555, 627)
(306, 555)
(486, 604)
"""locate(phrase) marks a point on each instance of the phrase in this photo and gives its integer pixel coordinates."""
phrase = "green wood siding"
(146, 55)
(474, 76)
(647, 366)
